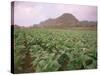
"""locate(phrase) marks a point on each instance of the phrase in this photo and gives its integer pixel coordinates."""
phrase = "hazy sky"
(29, 13)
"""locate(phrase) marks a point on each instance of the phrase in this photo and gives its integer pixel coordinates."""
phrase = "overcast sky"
(29, 13)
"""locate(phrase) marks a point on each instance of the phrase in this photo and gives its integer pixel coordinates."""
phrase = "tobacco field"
(47, 50)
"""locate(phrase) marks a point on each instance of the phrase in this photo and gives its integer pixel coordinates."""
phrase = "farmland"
(46, 50)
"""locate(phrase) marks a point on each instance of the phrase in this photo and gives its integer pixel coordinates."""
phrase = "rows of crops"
(42, 50)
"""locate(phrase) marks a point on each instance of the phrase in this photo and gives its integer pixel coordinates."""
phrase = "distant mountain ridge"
(66, 20)
(63, 21)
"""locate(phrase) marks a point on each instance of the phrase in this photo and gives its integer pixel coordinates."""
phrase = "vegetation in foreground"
(44, 50)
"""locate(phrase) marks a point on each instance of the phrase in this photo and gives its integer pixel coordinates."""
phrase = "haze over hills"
(66, 20)
(63, 21)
